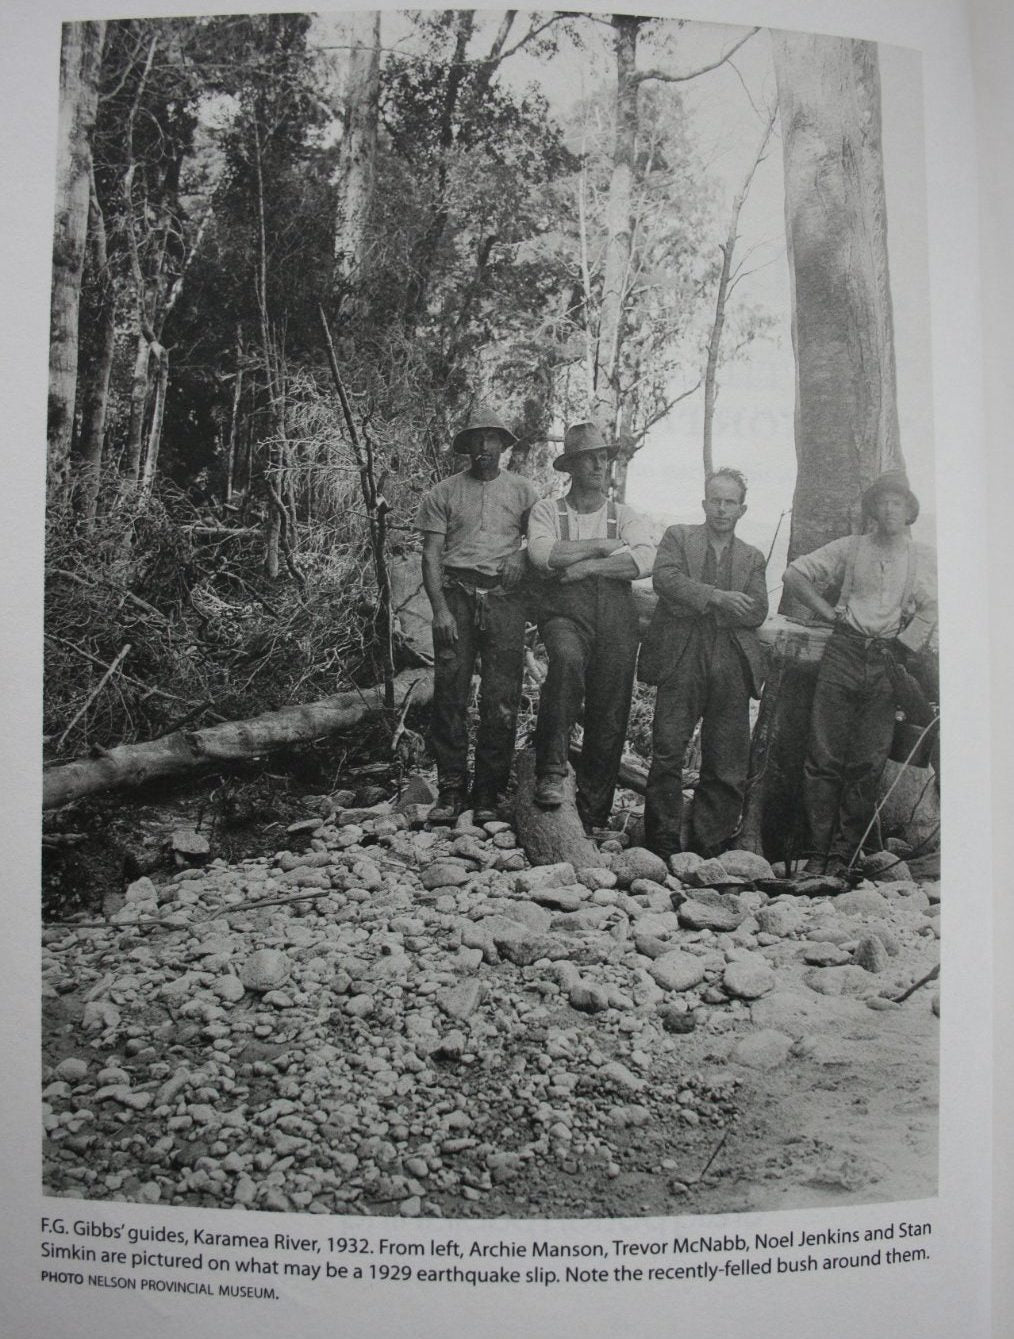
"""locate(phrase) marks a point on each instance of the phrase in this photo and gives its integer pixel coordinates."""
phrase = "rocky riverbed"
(385, 1019)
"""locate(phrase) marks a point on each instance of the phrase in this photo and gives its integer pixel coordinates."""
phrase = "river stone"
(416, 790)
(588, 997)
(442, 874)
(862, 902)
(529, 915)
(650, 945)
(545, 876)
(529, 948)
(871, 954)
(710, 874)
(694, 915)
(748, 978)
(746, 865)
(885, 867)
(620, 1076)
(459, 1001)
(264, 970)
(677, 970)
(190, 844)
(779, 919)
(595, 878)
(764, 1049)
(637, 862)
(848, 980)
(679, 1021)
(683, 863)
(826, 955)
(563, 899)
(71, 1070)
(142, 890)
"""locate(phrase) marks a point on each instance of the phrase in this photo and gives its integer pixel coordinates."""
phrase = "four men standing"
(701, 648)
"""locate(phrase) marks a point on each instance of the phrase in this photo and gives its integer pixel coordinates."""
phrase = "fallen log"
(188, 750)
(549, 836)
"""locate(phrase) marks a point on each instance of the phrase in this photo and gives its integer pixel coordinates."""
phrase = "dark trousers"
(590, 633)
(851, 728)
(500, 642)
(711, 685)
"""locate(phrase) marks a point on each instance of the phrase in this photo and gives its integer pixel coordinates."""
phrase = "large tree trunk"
(80, 66)
(842, 333)
(96, 382)
(359, 150)
(842, 325)
(189, 750)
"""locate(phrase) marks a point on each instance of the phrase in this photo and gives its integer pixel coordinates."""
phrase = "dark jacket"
(683, 602)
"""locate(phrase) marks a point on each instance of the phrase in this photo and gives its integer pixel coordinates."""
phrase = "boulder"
(677, 970)
(748, 977)
(637, 862)
(746, 865)
(264, 970)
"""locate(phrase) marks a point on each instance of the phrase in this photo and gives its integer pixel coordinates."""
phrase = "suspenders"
(563, 515)
(850, 576)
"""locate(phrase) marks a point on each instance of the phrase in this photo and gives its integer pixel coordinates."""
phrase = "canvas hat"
(578, 440)
(481, 420)
(891, 481)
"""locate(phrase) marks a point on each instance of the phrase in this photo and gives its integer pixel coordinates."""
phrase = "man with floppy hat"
(702, 650)
(588, 549)
(472, 525)
(885, 613)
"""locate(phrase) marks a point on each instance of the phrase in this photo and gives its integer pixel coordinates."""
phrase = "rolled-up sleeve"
(824, 566)
(635, 533)
(542, 533)
(431, 517)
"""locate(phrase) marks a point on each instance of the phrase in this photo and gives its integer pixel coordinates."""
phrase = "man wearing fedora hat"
(885, 612)
(472, 525)
(588, 549)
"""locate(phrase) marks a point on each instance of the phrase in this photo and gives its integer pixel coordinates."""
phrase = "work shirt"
(631, 529)
(482, 520)
(876, 605)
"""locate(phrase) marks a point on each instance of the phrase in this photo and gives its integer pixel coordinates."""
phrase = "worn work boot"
(449, 805)
(549, 791)
(484, 808)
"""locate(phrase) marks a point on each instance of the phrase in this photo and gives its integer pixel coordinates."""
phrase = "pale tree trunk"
(80, 67)
(619, 208)
(359, 150)
(237, 395)
(157, 414)
(842, 332)
(842, 324)
(138, 403)
(727, 280)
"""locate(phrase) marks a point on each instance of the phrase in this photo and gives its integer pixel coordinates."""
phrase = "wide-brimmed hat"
(578, 440)
(481, 420)
(891, 481)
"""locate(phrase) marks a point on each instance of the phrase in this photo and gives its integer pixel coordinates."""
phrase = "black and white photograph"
(491, 711)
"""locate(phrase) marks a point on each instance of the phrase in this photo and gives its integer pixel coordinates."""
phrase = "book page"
(282, 1050)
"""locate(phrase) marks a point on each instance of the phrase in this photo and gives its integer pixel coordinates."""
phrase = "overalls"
(590, 632)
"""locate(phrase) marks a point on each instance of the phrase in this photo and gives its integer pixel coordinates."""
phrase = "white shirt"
(631, 529)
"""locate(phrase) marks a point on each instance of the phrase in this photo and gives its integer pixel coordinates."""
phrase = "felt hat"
(891, 481)
(578, 440)
(481, 420)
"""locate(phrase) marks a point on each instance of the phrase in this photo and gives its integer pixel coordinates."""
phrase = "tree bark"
(842, 324)
(359, 151)
(184, 751)
(618, 224)
(551, 835)
(80, 67)
(96, 388)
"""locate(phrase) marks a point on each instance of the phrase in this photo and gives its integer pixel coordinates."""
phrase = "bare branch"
(640, 76)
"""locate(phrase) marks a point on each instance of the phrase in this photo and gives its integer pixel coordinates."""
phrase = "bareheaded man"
(702, 650)
(472, 526)
(589, 549)
(885, 612)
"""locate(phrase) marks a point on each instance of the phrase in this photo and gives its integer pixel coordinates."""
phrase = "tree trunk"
(155, 430)
(618, 222)
(138, 403)
(188, 750)
(237, 395)
(96, 382)
(358, 152)
(551, 835)
(842, 325)
(80, 67)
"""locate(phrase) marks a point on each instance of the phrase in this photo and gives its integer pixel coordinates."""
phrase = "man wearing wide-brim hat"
(588, 549)
(885, 612)
(472, 525)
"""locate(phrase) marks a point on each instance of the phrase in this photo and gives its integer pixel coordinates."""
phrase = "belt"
(479, 586)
